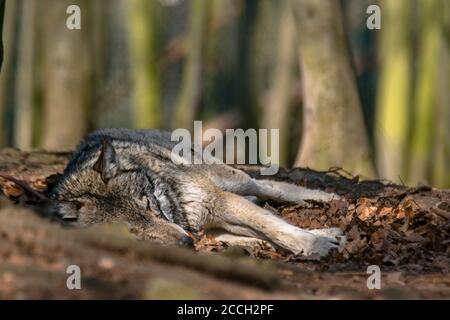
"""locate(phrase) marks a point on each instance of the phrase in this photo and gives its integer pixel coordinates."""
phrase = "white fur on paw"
(335, 234)
(321, 245)
(306, 243)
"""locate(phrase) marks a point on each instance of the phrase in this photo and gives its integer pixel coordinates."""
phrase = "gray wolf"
(128, 175)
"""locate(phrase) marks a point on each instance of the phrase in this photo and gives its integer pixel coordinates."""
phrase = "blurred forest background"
(374, 102)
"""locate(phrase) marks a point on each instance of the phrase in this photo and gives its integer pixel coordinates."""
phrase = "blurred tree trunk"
(441, 152)
(112, 76)
(221, 65)
(67, 76)
(143, 29)
(440, 170)
(444, 104)
(7, 77)
(334, 132)
(276, 114)
(393, 101)
(2, 15)
(244, 80)
(23, 119)
(99, 55)
(191, 84)
(446, 12)
(426, 126)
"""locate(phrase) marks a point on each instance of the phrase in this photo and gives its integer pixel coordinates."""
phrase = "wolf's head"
(98, 186)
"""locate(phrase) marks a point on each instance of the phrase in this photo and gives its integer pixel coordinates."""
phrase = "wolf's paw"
(332, 235)
(306, 243)
(320, 245)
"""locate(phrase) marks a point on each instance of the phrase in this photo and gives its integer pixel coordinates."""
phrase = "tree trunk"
(276, 114)
(112, 76)
(334, 132)
(441, 169)
(2, 14)
(441, 152)
(7, 78)
(191, 85)
(428, 116)
(143, 30)
(247, 101)
(393, 106)
(67, 77)
(23, 119)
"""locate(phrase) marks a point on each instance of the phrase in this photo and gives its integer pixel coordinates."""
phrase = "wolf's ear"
(107, 164)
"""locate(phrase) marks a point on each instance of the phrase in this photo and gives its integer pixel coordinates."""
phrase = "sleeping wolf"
(128, 175)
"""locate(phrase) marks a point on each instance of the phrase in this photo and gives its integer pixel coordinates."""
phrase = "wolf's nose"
(186, 241)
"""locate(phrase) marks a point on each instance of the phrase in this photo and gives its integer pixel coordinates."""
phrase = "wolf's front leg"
(241, 217)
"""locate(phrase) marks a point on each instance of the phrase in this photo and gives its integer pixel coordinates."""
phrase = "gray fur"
(128, 175)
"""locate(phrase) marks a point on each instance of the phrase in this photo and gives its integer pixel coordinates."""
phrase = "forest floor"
(403, 230)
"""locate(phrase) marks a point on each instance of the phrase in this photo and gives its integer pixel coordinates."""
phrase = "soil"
(402, 230)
